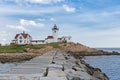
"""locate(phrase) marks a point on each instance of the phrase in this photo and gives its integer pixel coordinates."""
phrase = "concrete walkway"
(54, 65)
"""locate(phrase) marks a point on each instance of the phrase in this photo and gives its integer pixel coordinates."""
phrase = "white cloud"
(37, 1)
(108, 13)
(52, 19)
(30, 23)
(24, 24)
(41, 19)
(44, 1)
(68, 9)
(27, 22)
(33, 10)
(17, 27)
(3, 37)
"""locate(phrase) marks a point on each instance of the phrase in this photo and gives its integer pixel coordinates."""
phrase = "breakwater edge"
(57, 64)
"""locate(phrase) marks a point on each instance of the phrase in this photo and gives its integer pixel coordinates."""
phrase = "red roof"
(16, 36)
(23, 34)
(49, 37)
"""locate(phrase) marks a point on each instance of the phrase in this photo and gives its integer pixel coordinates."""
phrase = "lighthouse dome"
(55, 27)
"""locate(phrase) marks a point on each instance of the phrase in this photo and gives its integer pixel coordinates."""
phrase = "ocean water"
(108, 64)
(109, 49)
(6, 67)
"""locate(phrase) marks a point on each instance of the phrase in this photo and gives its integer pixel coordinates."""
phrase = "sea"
(110, 65)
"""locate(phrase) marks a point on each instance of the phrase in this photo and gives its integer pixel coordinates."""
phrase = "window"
(20, 41)
(55, 31)
(20, 37)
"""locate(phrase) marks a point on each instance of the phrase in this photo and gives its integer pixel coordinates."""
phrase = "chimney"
(23, 32)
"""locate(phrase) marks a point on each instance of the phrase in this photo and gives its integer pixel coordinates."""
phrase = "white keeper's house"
(25, 38)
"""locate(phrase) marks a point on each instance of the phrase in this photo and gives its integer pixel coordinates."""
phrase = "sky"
(95, 23)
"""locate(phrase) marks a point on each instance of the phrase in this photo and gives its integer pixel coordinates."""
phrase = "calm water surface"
(108, 64)
(6, 67)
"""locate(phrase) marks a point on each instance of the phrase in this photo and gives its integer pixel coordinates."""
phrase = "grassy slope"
(12, 53)
(22, 48)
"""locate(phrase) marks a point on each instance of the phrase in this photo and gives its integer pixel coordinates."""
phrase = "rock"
(53, 78)
(99, 75)
(77, 68)
(76, 78)
(20, 77)
(56, 73)
(71, 74)
(55, 66)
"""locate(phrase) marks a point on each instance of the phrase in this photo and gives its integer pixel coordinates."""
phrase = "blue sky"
(95, 23)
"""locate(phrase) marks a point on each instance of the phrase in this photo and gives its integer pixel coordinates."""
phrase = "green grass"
(18, 48)
(22, 48)
(12, 49)
(55, 45)
(35, 46)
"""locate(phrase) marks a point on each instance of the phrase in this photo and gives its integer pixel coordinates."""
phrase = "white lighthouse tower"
(55, 33)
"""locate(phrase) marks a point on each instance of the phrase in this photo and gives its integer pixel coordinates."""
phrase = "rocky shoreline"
(97, 53)
(94, 72)
(82, 50)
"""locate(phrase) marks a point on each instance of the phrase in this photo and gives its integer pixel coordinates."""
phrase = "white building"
(24, 38)
(66, 39)
(35, 42)
(55, 33)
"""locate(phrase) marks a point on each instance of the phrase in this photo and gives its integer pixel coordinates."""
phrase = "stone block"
(53, 78)
(19, 76)
(56, 73)
(71, 74)
(55, 66)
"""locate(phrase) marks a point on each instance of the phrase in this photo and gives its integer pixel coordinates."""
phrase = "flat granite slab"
(27, 71)
(20, 76)
(53, 78)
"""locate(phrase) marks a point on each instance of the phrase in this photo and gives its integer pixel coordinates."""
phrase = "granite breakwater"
(54, 65)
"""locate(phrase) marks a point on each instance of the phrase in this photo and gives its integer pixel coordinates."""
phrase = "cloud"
(26, 11)
(41, 19)
(44, 1)
(110, 13)
(52, 19)
(33, 1)
(68, 9)
(3, 37)
(24, 22)
(17, 27)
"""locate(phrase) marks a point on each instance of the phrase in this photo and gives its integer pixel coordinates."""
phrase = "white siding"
(49, 40)
(36, 43)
